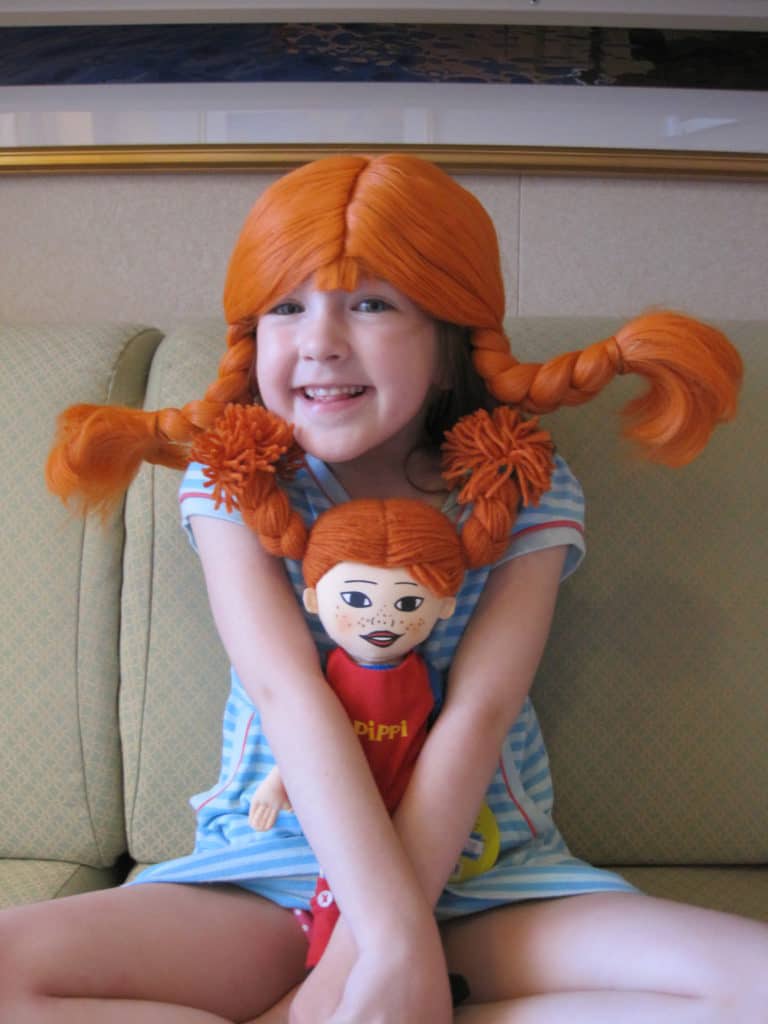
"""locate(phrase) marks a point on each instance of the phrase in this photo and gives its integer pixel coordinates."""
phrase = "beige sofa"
(652, 693)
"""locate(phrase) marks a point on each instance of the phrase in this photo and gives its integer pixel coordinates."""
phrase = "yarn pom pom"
(485, 450)
(244, 443)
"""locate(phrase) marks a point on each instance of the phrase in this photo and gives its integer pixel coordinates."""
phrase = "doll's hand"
(269, 799)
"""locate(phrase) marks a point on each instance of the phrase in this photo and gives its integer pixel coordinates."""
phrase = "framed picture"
(486, 98)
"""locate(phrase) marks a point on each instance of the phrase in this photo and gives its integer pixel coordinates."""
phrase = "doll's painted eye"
(409, 604)
(356, 599)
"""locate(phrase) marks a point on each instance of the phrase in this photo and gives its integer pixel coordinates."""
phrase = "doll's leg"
(269, 798)
(154, 953)
(615, 958)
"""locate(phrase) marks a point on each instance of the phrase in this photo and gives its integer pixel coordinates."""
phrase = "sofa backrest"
(61, 793)
(651, 692)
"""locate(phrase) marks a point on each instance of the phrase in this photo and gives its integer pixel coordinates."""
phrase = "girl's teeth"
(333, 392)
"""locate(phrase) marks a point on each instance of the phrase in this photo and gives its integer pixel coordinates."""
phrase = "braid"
(244, 454)
(500, 460)
(692, 370)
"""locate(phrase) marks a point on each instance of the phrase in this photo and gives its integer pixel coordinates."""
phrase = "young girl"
(379, 573)
(343, 297)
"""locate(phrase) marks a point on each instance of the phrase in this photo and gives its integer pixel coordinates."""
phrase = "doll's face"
(376, 615)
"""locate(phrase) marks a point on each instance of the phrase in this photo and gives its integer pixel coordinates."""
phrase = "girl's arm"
(490, 677)
(321, 761)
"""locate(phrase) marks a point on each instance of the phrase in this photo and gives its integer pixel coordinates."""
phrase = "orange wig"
(402, 219)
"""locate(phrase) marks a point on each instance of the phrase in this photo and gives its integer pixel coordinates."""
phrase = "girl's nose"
(323, 339)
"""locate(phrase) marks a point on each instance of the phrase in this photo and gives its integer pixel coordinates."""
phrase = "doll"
(380, 573)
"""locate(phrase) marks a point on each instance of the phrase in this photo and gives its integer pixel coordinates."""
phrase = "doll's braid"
(500, 461)
(245, 454)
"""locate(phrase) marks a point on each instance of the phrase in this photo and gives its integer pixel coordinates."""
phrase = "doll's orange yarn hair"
(390, 533)
(402, 219)
(498, 460)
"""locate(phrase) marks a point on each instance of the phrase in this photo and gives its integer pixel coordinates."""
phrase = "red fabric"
(389, 709)
(325, 914)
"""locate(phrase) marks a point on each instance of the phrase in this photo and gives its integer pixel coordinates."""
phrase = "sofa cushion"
(652, 689)
(28, 881)
(174, 671)
(651, 692)
(732, 889)
(60, 757)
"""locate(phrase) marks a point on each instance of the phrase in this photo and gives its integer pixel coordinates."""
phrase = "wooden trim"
(593, 162)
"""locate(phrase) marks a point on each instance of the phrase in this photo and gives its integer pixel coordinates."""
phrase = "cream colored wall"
(153, 248)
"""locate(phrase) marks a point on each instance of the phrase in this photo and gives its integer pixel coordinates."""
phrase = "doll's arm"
(267, 801)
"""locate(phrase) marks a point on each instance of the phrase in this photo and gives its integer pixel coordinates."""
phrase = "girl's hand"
(376, 986)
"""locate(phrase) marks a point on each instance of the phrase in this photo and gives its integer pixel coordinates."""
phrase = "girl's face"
(377, 615)
(350, 370)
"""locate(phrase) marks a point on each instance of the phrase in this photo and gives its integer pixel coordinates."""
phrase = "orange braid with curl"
(98, 449)
(692, 371)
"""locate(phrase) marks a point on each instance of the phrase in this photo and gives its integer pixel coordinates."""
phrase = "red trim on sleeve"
(195, 494)
(553, 524)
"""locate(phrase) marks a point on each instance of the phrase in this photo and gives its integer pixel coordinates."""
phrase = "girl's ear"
(309, 597)
(447, 608)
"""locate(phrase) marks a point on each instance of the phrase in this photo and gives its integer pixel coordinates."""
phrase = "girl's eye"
(409, 604)
(286, 308)
(356, 599)
(373, 306)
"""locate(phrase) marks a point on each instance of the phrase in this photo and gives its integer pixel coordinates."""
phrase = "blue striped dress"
(533, 863)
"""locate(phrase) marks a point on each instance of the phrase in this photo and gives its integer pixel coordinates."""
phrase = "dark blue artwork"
(122, 54)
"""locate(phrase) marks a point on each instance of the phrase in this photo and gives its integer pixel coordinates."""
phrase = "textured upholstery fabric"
(735, 890)
(29, 881)
(175, 674)
(652, 691)
(60, 798)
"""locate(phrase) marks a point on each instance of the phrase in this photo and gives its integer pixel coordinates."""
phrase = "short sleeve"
(558, 519)
(196, 499)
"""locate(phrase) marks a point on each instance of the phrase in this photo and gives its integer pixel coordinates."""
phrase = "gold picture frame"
(529, 160)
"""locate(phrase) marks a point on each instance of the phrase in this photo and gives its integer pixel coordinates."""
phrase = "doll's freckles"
(343, 621)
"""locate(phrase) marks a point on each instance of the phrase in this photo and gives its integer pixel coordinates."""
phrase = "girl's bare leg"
(147, 954)
(615, 958)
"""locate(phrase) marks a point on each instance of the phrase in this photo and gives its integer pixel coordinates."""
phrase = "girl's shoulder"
(558, 518)
(310, 492)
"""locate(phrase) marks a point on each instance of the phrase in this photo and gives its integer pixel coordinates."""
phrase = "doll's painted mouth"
(381, 638)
